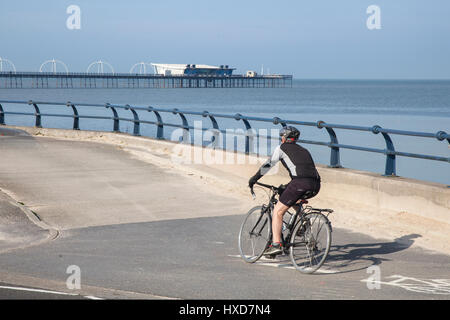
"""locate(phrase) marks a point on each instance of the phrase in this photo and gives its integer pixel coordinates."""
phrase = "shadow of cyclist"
(359, 256)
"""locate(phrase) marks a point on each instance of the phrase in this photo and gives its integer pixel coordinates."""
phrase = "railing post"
(335, 159)
(215, 138)
(159, 123)
(276, 121)
(76, 125)
(2, 115)
(248, 127)
(136, 128)
(116, 127)
(440, 135)
(185, 125)
(390, 152)
(37, 113)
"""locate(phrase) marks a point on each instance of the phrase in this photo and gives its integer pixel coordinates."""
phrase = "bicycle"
(306, 235)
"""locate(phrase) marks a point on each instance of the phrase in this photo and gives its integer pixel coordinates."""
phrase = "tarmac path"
(133, 230)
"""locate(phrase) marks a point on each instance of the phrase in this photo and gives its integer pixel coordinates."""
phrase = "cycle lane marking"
(278, 264)
(428, 286)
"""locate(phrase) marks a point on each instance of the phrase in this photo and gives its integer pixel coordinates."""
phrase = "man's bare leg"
(277, 221)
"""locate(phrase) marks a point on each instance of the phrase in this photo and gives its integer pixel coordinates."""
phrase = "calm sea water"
(407, 105)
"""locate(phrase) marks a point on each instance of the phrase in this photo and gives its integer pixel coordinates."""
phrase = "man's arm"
(265, 167)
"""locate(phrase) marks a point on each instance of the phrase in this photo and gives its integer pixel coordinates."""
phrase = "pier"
(72, 80)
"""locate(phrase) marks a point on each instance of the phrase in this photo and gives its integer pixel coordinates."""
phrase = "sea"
(411, 105)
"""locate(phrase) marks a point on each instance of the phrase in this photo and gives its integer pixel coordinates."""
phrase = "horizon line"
(373, 79)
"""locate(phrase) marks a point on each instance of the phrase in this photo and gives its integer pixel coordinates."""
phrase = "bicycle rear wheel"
(255, 234)
(310, 243)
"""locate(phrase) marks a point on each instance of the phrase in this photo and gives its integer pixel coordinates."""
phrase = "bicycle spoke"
(314, 257)
(253, 247)
(309, 257)
(254, 234)
(262, 227)
(256, 224)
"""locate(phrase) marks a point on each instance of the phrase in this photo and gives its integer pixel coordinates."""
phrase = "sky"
(316, 39)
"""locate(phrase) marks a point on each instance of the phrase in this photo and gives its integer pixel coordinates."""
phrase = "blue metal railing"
(333, 144)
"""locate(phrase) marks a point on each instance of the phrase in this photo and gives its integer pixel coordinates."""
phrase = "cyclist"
(305, 180)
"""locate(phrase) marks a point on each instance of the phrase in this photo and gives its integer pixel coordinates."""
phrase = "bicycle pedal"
(271, 256)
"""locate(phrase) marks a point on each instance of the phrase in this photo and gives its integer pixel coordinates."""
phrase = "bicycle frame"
(302, 237)
(296, 217)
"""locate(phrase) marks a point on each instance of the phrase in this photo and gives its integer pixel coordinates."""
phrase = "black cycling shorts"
(299, 188)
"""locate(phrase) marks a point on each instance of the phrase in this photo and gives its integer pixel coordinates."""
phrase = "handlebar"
(266, 185)
(278, 189)
(262, 185)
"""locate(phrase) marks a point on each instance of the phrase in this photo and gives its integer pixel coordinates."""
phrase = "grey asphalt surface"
(196, 257)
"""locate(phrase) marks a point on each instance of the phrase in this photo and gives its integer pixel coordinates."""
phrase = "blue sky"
(321, 39)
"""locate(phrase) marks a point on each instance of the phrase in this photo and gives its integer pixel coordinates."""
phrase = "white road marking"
(429, 286)
(278, 264)
(37, 290)
(47, 291)
(93, 298)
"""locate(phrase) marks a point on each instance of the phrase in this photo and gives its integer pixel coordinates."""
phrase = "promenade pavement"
(137, 229)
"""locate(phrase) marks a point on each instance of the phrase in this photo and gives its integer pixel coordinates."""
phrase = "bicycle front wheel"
(310, 243)
(255, 234)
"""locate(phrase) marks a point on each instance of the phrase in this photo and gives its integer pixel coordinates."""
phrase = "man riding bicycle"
(305, 180)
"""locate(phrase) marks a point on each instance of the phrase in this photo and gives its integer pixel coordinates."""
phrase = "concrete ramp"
(73, 184)
(75, 178)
